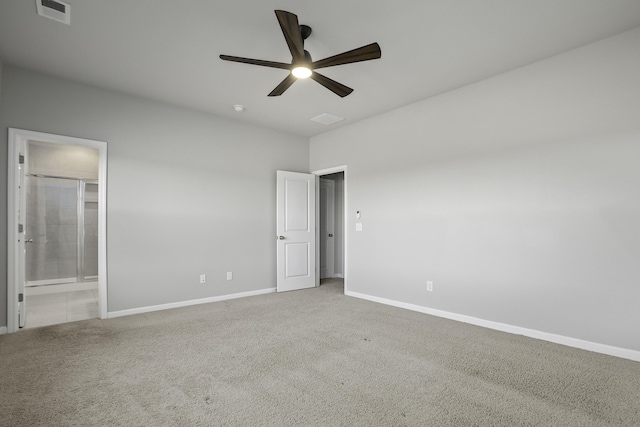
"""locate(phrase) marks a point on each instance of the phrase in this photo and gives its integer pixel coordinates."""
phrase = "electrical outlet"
(429, 285)
(229, 275)
(203, 278)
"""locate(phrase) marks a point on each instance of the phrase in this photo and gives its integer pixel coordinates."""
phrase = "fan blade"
(284, 85)
(335, 87)
(364, 53)
(256, 62)
(291, 30)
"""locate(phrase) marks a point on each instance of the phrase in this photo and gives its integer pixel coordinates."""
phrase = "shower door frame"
(16, 193)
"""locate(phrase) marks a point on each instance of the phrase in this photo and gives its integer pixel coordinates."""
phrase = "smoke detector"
(55, 9)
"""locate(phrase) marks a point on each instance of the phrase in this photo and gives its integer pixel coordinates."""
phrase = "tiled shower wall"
(62, 160)
(52, 211)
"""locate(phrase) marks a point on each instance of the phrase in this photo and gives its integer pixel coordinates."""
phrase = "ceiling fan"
(302, 66)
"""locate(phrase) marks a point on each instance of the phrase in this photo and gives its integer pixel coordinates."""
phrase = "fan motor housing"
(305, 31)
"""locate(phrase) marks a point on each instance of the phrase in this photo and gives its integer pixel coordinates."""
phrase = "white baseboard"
(3, 330)
(339, 276)
(112, 314)
(503, 327)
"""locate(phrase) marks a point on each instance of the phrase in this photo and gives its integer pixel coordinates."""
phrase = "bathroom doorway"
(61, 233)
(57, 268)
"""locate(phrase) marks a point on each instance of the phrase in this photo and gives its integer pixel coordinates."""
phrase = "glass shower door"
(90, 258)
(52, 230)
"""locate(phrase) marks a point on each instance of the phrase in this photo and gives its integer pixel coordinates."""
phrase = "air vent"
(54, 9)
(327, 119)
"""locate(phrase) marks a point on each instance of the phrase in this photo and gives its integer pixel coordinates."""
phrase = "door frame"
(345, 253)
(16, 138)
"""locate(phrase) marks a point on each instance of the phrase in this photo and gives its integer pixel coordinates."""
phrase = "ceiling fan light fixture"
(301, 65)
(301, 72)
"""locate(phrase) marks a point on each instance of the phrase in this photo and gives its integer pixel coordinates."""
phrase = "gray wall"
(188, 192)
(518, 196)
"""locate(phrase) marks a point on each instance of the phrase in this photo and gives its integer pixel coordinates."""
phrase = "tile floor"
(60, 307)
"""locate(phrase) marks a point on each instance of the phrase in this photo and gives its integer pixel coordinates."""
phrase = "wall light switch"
(203, 278)
(229, 275)
(358, 226)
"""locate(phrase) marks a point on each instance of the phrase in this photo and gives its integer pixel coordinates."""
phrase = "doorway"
(61, 233)
(57, 225)
(331, 226)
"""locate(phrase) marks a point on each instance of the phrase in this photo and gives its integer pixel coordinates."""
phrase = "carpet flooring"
(304, 358)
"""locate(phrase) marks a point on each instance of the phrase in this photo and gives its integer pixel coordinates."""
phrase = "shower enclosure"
(62, 230)
(61, 207)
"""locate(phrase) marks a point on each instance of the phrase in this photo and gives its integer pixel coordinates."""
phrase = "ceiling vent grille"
(327, 119)
(55, 9)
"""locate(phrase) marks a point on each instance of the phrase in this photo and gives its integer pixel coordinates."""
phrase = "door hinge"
(20, 297)
(20, 159)
(20, 228)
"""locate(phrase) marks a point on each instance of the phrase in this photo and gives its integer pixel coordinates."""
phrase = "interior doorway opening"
(331, 226)
(61, 233)
(57, 229)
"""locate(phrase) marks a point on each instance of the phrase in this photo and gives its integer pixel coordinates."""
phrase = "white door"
(327, 228)
(296, 234)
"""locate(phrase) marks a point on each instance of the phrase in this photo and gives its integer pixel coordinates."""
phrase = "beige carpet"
(304, 358)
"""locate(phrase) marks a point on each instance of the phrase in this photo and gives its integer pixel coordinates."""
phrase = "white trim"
(329, 171)
(531, 333)
(12, 233)
(148, 309)
(317, 226)
(338, 276)
(15, 137)
(3, 330)
(345, 219)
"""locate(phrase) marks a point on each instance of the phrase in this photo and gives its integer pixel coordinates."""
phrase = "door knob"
(281, 237)
(29, 241)
(330, 235)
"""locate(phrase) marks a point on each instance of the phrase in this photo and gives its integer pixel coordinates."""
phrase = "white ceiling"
(168, 50)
